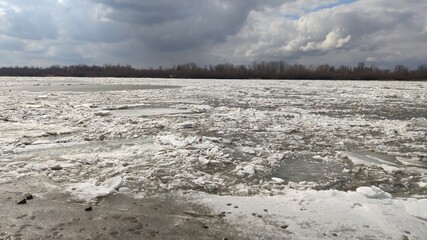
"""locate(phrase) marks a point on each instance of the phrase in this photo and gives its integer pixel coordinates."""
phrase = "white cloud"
(332, 41)
(344, 34)
(371, 59)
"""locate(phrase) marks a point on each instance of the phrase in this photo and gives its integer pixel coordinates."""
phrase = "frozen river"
(216, 136)
(224, 137)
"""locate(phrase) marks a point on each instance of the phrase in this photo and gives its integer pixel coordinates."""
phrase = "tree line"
(257, 70)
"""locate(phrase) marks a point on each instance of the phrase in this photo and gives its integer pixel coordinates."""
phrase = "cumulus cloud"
(342, 34)
(166, 32)
(332, 41)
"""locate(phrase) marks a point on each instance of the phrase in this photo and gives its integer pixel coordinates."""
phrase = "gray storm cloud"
(165, 32)
(168, 25)
(34, 24)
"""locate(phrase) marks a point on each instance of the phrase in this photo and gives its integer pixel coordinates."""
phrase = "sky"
(151, 33)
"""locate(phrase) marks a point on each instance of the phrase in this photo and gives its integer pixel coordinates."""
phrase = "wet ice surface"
(216, 136)
(83, 87)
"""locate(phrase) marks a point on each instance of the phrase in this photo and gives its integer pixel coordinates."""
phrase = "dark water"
(308, 169)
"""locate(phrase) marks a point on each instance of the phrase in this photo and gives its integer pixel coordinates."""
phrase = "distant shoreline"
(257, 71)
(225, 79)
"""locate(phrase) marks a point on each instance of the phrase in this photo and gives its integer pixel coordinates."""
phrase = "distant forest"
(257, 70)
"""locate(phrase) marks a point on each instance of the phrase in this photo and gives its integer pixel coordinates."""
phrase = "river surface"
(218, 136)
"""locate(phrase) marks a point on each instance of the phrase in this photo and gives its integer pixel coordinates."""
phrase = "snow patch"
(321, 214)
(417, 207)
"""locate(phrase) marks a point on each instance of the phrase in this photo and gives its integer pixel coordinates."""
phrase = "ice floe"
(89, 190)
(367, 159)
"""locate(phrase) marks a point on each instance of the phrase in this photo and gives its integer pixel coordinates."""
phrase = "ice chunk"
(114, 183)
(373, 192)
(89, 190)
(177, 141)
(102, 113)
(361, 158)
(278, 180)
(89, 105)
(249, 169)
(203, 161)
(246, 149)
(42, 97)
(41, 142)
(149, 112)
(389, 169)
(200, 108)
(185, 125)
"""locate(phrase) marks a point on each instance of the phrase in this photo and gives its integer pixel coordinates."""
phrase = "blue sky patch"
(318, 8)
(331, 5)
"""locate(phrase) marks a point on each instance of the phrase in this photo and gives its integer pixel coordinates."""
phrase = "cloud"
(167, 32)
(147, 12)
(11, 44)
(332, 41)
(342, 34)
(17, 23)
(170, 25)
